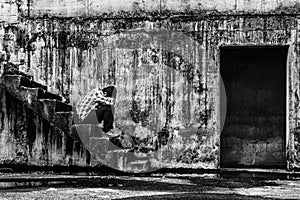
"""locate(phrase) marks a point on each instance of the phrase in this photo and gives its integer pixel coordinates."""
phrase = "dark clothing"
(104, 109)
(105, 113)
(110, 91)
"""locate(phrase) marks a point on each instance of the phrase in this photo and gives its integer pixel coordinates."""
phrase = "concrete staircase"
(108, 153)
(60, 115)
(36, 97)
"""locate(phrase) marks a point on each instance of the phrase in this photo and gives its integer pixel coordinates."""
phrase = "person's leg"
(108, 119)
(100, 113)
(105, 114)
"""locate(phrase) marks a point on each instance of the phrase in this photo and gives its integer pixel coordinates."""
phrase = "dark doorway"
(255, 126)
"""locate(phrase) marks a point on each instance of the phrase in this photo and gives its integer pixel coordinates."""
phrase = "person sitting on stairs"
(97, 107)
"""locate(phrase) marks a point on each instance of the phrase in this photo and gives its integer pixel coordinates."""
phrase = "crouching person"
(97, 108)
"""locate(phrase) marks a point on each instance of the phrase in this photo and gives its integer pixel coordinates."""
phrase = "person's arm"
(101, 99)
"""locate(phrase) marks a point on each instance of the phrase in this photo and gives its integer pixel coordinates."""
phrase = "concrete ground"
(156, 186)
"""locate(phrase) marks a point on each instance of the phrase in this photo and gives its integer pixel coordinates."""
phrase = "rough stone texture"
(73, 55)
(130, 8)
(28, 139)
(8, 11)
(117, 63)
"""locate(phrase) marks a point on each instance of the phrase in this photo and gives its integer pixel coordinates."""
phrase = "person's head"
(110, 91)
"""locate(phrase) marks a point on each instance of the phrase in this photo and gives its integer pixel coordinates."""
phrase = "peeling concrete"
(66, 48)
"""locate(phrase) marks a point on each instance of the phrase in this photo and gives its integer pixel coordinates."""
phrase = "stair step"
(19, 80)
(85, 131)
(15, 71)
(138, 166)
(47, 95)
(127, 161)
(55, 105)
(117, 159)
(119, 151)
(40, 93)
(92, 139)
(98, 146)
(48, 107)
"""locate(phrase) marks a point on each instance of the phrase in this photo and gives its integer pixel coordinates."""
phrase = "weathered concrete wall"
(154, 8)
(152, 93)
(28, 139)
(8, 11)
(72, 55)
(104, 57)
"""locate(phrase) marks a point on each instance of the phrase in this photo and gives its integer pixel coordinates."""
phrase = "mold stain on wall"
(156, 89)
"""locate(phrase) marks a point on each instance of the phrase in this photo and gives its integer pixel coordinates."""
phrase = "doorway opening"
(254, 133)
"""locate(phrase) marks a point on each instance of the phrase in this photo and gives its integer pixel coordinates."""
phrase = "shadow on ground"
(201, 196)
(187, 187)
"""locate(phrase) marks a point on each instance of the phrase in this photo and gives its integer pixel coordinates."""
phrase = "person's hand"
(95, 105)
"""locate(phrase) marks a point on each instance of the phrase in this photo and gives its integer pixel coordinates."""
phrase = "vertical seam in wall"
(160, 6)
(28, 8)
(88, 7)
(28, 52)
(287, 142)
(218, 104)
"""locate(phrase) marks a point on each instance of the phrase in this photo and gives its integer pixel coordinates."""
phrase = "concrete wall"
(8, 11)
(73, 55)
(125, 8)
(27, 139)
(112, 61)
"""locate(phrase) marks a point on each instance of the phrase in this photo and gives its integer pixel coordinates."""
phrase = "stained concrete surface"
(157, 186)
(73, 55)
